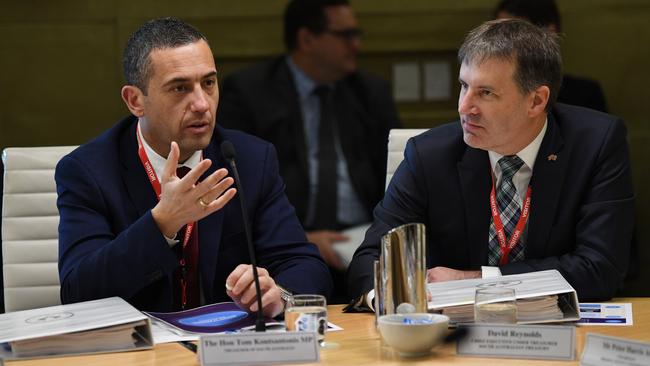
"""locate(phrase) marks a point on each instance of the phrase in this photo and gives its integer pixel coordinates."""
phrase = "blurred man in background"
(544, 13)
(328, 120)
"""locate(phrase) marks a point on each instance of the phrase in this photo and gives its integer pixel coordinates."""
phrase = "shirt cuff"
(171, 241)
(490, 272)
(370, 299)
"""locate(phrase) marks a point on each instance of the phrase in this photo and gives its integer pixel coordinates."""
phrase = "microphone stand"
(228, 151)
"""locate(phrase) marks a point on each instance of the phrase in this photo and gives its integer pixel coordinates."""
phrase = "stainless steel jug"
(401, 277)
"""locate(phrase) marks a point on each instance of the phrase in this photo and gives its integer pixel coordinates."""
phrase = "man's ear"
(134, 99)
(304, 39)
(540, 97)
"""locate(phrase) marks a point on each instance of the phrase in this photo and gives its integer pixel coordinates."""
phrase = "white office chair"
(397, 139)
(30, 227)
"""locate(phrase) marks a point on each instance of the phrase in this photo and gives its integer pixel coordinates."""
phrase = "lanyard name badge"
(155, 183)
(506, 247)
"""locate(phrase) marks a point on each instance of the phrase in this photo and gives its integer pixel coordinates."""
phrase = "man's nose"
(199, 101)
(465, 103)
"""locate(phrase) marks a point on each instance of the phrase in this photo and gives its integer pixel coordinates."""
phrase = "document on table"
(615, 314)
(542, 297)
(105, 325)
(224, 317)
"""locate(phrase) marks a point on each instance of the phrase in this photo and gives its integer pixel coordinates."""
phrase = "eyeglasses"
(346, 34)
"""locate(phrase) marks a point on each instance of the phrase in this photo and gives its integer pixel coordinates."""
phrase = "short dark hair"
(542, 13)
(309, 14)
(155, 34)
(534, 51)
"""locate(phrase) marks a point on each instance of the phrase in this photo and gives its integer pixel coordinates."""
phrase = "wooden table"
(359, 343)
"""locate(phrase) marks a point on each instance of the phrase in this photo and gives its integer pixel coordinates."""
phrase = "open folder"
(542, 297)
(106, 325)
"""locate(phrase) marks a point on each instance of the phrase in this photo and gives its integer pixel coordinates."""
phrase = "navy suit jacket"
(109, 244)
(581, 215)
(262, 100)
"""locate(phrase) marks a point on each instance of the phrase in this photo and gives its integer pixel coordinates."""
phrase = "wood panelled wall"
(60, 70)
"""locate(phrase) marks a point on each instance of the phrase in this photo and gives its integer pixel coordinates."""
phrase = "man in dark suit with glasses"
(328, 121)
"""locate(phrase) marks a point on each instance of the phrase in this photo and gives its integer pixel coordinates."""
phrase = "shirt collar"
(304, 84)
(158, 162)
(527, 154)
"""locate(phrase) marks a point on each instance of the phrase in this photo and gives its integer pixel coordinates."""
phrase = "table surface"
(359, 343)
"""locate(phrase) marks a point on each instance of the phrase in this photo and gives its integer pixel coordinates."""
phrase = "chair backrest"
(30, 222)
(397, 139)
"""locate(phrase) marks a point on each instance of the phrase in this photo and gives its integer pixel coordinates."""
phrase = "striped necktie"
(509, 210)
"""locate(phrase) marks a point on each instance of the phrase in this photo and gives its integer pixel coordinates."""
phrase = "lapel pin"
(552, 157)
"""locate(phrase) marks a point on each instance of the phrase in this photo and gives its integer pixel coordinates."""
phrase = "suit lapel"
(352, 121)
(135, 179)
(547, 182)
(474, 175)
(286, 102)
(210, 227)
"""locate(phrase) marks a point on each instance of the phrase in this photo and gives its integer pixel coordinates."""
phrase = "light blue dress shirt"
(350, 210)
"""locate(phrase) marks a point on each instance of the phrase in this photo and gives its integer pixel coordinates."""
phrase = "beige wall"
(60, 69)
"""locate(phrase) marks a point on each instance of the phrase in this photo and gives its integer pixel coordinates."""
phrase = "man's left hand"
(440, 274)
(240, 286)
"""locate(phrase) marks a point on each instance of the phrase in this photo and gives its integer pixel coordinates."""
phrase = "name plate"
(258, 348)
(547, 342)
(603, 351)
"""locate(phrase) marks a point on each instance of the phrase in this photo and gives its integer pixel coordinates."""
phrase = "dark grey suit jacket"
(581, 216)
(262, 100)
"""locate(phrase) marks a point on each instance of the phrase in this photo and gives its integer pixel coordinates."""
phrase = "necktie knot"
(509, 166)
(181, 171)
(323, 92)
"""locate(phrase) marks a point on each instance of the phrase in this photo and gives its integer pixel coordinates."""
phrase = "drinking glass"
(496, 305)
(307, 313)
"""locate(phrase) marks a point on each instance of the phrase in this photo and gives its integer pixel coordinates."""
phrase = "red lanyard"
(155, 183)
(498, 225)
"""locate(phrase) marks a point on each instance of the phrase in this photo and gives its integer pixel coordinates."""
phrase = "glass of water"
(496, 305)
(307, 313)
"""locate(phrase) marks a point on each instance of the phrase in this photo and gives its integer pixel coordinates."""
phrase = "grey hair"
(153, 35)
(534, 51)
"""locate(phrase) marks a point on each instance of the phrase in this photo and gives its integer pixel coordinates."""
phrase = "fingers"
(190, 179)
(330, 256)
(214, 190)
(172, 161)
(218, 204)
(234, 276)
(336, 237)
(272, 302)
(324, 240)
(240, 286)
(211, 192)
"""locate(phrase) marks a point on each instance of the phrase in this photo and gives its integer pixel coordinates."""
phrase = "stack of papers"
(539, 309)
(542, 297)
(106, 325)
(120, 337)
(530, 310)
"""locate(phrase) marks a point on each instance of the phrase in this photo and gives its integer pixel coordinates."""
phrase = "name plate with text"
(602, 350)
(549, 342)
(258, 348)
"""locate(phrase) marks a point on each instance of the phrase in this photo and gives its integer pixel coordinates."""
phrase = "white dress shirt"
(521, 179)
(528, 156)
(158, 163)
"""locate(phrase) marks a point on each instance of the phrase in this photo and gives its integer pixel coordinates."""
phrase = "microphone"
(228, 152)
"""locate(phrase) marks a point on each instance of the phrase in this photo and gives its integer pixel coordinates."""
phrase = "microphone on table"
(228, 152)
